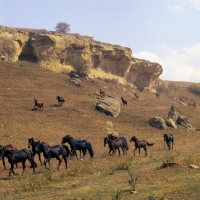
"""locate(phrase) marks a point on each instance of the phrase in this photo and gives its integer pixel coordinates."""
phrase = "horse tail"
(89, 148)
(150, 144)
(67, 152)
(125, 145)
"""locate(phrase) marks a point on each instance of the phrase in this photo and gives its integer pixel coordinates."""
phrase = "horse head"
(133, 139)
(30, 142)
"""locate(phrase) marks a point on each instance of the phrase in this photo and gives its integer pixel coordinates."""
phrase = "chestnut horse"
(137, 96)
(7, 147)
(140, 144)
(38, 104)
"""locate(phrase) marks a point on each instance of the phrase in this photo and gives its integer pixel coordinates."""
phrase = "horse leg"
(3, 161)
(145, 149)
(134, 150)
(118, 151)
(11, 169)
(172, 145)
(23, 165)
(39, 158)
(60, 160)
(84, 153)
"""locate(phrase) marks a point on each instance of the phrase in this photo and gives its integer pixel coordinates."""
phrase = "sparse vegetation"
(104, 176)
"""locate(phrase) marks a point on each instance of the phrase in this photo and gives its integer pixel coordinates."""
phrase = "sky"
(162, 31)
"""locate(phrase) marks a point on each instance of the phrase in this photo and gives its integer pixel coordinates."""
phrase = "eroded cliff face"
(57, 51)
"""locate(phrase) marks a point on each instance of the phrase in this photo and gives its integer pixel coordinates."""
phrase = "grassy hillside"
(102, 177)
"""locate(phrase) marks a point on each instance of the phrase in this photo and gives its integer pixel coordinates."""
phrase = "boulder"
(183, 121)
(158, 122)
(76, 82)
(108, 105)
(174, 113)
(170, 122)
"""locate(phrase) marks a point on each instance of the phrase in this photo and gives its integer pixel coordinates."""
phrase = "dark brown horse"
(115, 144)
(140, 144)
(169, 138)
(124, 101)
(7, 147)
(137, 96)
(38, 104)
(102, 93)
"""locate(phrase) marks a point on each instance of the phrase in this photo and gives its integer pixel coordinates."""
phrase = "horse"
(102, 93)
(32, 143)
(52, 152)
(64, 140)
(125, 145)
(17, 156)
(60, 100)
(140, 144)
(38, 104)
(124, 101)
(169, 138)
(137, 96)
(157, 95)
(113, 145)
(7, 147)
(82, 145)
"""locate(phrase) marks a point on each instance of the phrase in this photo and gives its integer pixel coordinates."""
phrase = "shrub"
(80, 66)
(195, 89)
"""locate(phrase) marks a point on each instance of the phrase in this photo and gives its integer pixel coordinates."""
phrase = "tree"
(62, 27)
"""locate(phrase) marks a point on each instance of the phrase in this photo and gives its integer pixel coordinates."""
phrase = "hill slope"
(102, 177)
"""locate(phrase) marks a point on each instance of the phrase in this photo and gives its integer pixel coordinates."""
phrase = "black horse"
(157, 95)
(124, 101)
(169, 138)
(125, 144)
(140, 144)
(114, 145)
(71, 146)
(8, 147)
(52, 152)
(32, 143)
(15, 157)
(60, 100)
(82, 145)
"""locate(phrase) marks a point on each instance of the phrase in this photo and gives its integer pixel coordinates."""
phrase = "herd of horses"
(16, 156)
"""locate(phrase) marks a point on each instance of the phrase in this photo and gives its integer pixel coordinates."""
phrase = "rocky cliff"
(57, 51)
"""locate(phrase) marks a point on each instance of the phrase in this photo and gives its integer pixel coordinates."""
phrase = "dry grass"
(102, 177)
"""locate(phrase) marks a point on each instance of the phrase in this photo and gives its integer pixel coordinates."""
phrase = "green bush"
(195, 89)
(80, 66)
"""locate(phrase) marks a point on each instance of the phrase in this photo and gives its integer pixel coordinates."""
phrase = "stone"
(158, 122)
(174, 113)
(108, 105)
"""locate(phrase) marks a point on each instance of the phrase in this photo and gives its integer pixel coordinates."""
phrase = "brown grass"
(102, 177)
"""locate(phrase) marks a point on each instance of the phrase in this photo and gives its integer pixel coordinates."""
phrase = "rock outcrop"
(57, 51)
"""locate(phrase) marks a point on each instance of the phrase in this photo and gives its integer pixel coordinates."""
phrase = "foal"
(140, 144)
(124, 101)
